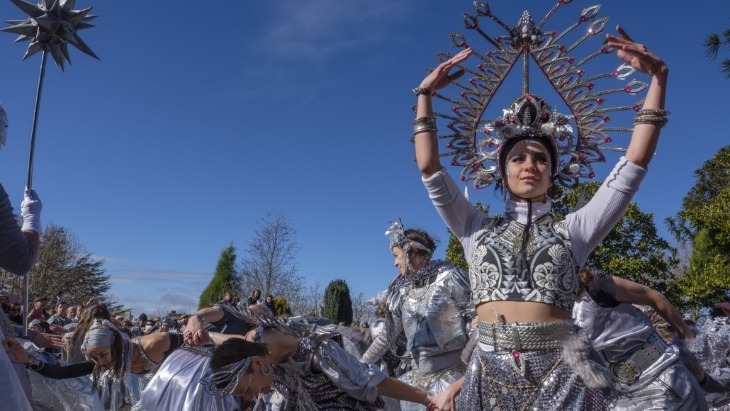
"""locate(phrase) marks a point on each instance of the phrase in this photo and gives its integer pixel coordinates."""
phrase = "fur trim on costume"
(582, 358)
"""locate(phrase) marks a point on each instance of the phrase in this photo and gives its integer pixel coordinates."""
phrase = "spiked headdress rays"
(474, 143)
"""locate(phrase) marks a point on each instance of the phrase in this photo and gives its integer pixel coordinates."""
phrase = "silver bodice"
(552, 273)
(430, 312)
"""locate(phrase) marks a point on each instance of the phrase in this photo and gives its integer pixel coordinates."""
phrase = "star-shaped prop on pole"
(51, 26)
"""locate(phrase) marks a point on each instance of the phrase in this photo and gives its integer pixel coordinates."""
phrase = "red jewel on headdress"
(591, 175)
(608, 139)
(515, 354)
(606, 119)
(636, 107)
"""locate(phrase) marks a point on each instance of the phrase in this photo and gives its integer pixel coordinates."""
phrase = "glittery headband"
(99, 335)
(223, 381)
(474, 143)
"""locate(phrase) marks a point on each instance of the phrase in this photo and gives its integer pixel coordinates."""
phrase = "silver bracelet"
(422, 91)
(34, 363)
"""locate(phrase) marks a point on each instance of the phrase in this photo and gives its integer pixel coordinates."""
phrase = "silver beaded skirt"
(538, 379)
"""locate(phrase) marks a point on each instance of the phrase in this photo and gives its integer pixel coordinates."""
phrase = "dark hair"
(97, 311)
(117, 353)
(422, 237)
(585, 275)
(234, 350)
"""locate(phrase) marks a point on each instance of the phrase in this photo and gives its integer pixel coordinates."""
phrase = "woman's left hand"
(635, 54)
(17, 353)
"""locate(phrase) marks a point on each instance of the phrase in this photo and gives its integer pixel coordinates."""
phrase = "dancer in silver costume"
(523, 265)
(120, 367)
(311, 373)
(707, 356)
(647, 373)
(426, 310)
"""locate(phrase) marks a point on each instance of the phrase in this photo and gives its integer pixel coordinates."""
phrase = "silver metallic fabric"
(674, 389)
(321, 375)
(176, 385)
(427, 309)
(69, 394)
(661, 382)
(525, 336)
(11, 391)
(496, 273)
(492, 381)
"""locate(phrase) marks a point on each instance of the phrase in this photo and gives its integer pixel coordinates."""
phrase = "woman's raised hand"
(440, 77)
(635, 54)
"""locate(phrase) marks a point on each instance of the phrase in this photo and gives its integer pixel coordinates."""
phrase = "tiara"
(474, 143)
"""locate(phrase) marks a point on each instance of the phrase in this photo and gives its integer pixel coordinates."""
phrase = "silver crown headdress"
(530, 116)
(397, 238)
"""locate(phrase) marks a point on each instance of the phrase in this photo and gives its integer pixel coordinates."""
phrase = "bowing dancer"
(646, 372)
(310, 373)
(119, 367)
(523, 265)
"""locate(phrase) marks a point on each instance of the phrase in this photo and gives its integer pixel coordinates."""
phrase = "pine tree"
(337, 302)
(224, 279)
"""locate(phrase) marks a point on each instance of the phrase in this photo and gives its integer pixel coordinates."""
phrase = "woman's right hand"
(440, 77)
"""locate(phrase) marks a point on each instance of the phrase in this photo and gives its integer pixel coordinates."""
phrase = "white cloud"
(316, 29)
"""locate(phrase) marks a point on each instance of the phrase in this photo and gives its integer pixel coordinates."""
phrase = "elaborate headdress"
(474, 142)
(397, 237)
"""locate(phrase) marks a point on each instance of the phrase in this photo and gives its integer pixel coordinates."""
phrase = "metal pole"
(42, 75)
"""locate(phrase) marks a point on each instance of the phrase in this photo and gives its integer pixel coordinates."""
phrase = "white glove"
(30, 211)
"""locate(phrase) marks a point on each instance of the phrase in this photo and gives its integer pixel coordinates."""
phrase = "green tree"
(337, 302)
(704, 224)
(63, 271)
(632, 249)
(708, 277)
(224, 279)
(712, 44)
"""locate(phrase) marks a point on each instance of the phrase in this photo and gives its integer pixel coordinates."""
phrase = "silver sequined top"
(429, 313)
(555, 251)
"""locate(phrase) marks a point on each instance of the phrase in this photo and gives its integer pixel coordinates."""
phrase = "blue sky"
(201, 118)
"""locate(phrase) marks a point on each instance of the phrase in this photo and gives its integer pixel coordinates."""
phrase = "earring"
(268, 370)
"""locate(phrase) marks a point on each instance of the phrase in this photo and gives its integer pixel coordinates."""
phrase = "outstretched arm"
(390, 387)
(645, 136)
(630, 292)
(427, 154)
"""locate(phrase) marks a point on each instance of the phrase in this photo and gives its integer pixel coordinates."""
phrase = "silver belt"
(526, 336)
(627, 372)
